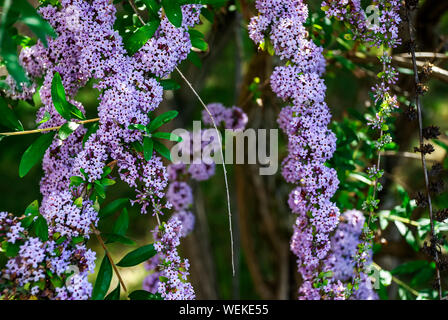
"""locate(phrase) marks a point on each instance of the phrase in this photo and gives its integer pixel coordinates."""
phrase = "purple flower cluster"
(88, 47)
(38, 262)
(344, 247)
(173, 283)
(310, 142)
(382, 32)
(170, 45)
(231, 118)
(179, 193)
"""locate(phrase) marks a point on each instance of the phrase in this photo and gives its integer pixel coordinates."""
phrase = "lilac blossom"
(310, 143)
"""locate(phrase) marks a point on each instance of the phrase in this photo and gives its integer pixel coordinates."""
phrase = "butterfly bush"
(88, 48)
(310, 142)
(344, 248)
(180, 193)
(38, 262)
(382, 34)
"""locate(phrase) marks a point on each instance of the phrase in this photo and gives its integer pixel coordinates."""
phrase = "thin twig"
(418, 103)
(399, 282)
(220, 142)
(408, 155)
(223, 164)
(19, 133)
(100, 240)
(136, 12)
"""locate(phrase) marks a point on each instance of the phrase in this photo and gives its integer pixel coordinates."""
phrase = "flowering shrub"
(98, 78)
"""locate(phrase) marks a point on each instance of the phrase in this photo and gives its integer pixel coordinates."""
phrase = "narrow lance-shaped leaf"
(197, 40)
(141, 36)
(148, 148)
(34, 153)
(29, 16)
(8, 47)
(67, 129)
(30, 213)
(162, 150)
(144, 295)
(103, 279)
(167, 136)
(62, 106)
(162, 119)
(138, 256)
(40, 227)
(138, 127)
(153, 7)
(122, 223)
(7, 116)
(169, 84)
(115, 294)
(113, 207)
(99, 188)
(173, 12)
(111, 238)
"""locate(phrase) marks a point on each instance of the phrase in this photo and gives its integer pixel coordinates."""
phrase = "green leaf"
(108, 182)
(67, 129)
(56, 281)
(62, 106)
(173, 12)
(11, 60)
(103, 279)
(111, 238)
(138, 127)
(169, 84)
(162, 119)
(141, 36)
(77, 240)
(197, 40)
(106, 171)
(34, 153)
(167, 136)
(138, 256)
(30, 213)
(99, 188)
(29, 16)
(122, 223)
(7, 116)
(8, 47)
(195, 59)
(40, 227)
(113, 207)
(162, 150)
(76, 180)
(115, 294)
(32, 209)
(153, 8)
(410, 267)
(144, 295)
(148, 148)
(45, 118)
(93, 128)
(11, 249)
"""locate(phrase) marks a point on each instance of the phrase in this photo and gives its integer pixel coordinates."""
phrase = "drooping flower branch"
(342, 260)
(180, 193)
(310, 142)
(75, 167)
(382, 33)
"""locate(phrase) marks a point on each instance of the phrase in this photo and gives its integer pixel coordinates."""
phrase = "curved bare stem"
(19, 133)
